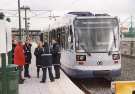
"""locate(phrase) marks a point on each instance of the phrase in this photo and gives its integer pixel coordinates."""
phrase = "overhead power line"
(7, 10)
(31, 10)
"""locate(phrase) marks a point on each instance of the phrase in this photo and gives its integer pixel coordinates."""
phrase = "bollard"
(9, 77)
(3, 72)
(12, 74)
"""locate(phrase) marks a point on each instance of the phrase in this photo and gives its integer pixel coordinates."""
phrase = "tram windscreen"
(95, 34)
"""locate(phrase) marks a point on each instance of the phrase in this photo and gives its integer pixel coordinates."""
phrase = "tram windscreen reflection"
(94, 35)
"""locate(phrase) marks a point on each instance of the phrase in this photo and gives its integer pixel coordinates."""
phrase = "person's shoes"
(25, 75)
(57, 77)
(52, 80)
(21, 81)
(42, 81)
(28, 76)
(37, 76)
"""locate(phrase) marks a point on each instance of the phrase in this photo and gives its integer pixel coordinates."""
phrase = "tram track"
(94, 86)
(81, 85)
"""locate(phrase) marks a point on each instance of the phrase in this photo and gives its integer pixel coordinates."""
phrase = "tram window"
(41, 37)
(71, 35)
(62, 38)
(63, 34)
(66, 39)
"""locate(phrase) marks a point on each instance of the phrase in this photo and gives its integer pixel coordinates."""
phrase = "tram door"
(63, 35)
(66, 38)
(58, 35)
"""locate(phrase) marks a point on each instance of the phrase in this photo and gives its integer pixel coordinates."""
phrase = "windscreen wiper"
(114, 39)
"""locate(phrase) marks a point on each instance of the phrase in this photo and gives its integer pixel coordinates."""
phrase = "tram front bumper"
(79, 73)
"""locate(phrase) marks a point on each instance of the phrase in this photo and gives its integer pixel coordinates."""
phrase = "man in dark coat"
(46, 63)
(28, 56)
(56, 58)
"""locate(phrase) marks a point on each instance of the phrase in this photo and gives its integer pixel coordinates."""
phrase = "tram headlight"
(80, 57)
(116, 56)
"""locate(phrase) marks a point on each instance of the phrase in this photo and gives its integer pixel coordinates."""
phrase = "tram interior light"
(116, 56)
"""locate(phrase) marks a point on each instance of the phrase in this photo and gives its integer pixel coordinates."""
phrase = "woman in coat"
(38, 57)
(28, 56)
(19, 59)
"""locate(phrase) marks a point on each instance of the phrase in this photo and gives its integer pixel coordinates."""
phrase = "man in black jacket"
(56, 58)
(28, 56)
(46, 63)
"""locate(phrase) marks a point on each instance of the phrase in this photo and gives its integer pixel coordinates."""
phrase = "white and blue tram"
(90, 45)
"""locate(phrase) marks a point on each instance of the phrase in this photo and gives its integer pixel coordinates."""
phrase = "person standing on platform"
(14, 42)
(56, 58)
(19, 59)
(38, 57)
(46, 63)
(28, 56)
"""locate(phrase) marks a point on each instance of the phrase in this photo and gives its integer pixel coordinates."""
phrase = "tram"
(90, 44)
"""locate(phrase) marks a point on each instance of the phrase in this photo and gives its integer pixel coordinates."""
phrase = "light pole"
(19, 15)
(25, 8)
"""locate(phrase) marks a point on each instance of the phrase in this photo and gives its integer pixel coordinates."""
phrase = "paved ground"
(60, 86)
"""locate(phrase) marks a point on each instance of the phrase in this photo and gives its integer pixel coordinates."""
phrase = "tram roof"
(81, 17)
(67, 20)
(62, 21)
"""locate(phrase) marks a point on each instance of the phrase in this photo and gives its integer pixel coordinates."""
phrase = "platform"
(61, 86)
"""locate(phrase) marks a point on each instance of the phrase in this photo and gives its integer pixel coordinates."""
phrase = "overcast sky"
(121, 8)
